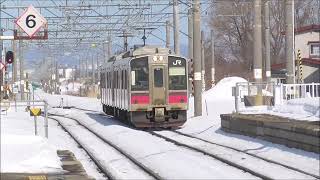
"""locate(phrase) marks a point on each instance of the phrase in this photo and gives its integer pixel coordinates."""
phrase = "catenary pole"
(190, 46)
(176, 27)
(197, 59)
(257, 43)
(212, 60)
(203, 72)
(289, 18)
(168, 34)
(21, 69)
(267, 40)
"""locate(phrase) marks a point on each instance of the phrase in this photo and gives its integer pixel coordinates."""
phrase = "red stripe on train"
(139, 99)
(175, 98)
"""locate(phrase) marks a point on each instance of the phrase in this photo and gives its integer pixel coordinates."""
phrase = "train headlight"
(161, 58)
(154, 58)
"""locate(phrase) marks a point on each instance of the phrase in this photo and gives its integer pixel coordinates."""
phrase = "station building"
(307, 40)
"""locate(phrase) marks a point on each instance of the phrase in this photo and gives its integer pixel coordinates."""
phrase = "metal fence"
(252, 94)
(293, 91)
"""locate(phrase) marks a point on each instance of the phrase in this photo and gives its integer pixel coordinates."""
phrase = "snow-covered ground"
(216, 101)
(22, 151)
(26, 153)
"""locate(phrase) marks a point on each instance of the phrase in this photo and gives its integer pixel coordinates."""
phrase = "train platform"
(73, 170)
(299, 134)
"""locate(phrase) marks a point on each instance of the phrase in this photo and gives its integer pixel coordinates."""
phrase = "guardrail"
(34, 103)
(293, 91)
(250, 94)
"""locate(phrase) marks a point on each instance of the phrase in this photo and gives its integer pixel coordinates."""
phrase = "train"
(147, 87)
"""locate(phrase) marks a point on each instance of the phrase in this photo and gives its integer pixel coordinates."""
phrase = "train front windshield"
(177, 73)
(140, 74)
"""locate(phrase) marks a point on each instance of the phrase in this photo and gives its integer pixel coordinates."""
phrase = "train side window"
(107, 77)
(125, 79)
(122, 79)
(115, 80)
(119, 79)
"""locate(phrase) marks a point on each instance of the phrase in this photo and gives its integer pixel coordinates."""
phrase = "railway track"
(243, 160)
(143, 171)
(250, 154)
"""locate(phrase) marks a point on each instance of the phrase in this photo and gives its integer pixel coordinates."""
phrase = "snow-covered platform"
(72, 170)
(292, 133)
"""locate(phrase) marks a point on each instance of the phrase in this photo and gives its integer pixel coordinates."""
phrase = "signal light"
(9, 57)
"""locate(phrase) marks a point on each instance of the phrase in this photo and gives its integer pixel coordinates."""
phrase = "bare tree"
(232, 22)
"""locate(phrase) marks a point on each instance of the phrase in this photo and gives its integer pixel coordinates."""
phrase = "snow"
(38, 155)
(223, 89)
(70, 87)
(167, 159)
(22, 151)
(307, 109)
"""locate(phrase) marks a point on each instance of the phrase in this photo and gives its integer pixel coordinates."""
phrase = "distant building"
(307, 40)
(66, 74)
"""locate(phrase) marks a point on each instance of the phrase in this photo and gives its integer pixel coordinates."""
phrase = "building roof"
(309, 28)
(311, 42)
(305, 61)
(305, 29)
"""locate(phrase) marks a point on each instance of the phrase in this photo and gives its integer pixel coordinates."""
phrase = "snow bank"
(93, 104)
(217, 100)
(223, 89)
(32, 154)
(302, 108)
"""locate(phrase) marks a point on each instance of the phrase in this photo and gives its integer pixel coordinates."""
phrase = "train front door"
(158, 85)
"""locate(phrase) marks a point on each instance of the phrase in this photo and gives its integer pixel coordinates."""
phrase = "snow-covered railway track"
(258, 166)
(120, 165)
(244, 161)
(248, 153)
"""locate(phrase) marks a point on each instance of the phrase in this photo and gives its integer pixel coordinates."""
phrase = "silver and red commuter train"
(147, 87)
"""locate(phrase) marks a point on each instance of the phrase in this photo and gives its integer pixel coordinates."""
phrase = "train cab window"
(177, 73)
(139, 74)
(158, 77)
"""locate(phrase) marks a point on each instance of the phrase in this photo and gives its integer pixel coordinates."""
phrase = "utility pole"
(98, 69)
(267, 40)
(289, 17)
(197, 59)
(1, 59)
(212, 60)
(168, 34)
(86, 76)
(257, 42)
(21, 70)
(14, 67)
(57, 78)
(202, 63)
(190, 46)
(79, 69)
(176, 27)
(92, 69)
(109, 47)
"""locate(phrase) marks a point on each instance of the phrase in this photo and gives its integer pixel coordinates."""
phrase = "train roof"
(140, 51)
